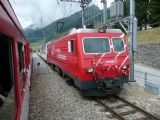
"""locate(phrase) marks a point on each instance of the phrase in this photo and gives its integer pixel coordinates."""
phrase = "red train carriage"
(15, 66)
(43, 51)
(98, 62)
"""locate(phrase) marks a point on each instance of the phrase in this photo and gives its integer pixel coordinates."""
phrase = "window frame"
(11, 96)
(70, 46)
(21, 66)
(123, 43)
(96, 53)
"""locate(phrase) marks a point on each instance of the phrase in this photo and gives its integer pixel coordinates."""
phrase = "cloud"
(43, 12)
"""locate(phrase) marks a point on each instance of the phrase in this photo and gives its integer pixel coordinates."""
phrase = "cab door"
(72, 55)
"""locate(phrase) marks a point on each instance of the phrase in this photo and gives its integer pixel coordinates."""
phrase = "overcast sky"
(43, 12)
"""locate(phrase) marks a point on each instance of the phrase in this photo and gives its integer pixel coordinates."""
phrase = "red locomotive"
(15, 66)
(97, 61)
(43, 51)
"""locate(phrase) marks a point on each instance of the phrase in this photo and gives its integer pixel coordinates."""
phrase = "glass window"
(96, 45)
(7, 94)
(71, 47)
(44, 49)
(118, 44)
(20, 56)
(21, 64)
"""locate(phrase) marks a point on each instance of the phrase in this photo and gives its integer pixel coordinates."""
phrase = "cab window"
(96, 45)
(118, 44)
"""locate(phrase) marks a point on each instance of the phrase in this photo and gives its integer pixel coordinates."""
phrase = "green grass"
(149, 36)
(36, 45)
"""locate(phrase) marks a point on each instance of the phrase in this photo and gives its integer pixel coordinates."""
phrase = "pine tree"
(154, 11)
(126, 8)
(141, 11)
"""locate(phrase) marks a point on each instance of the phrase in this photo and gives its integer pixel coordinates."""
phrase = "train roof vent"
(113, 31)
(82, 30)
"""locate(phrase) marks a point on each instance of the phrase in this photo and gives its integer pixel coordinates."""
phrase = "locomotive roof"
(86, 30)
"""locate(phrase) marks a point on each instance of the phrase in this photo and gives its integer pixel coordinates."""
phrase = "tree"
(154, 11)
(141, 11)
(126, 8)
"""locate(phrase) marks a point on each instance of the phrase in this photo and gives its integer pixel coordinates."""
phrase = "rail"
(124, 103)
(117, 115)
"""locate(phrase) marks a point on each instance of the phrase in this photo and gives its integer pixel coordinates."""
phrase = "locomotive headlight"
(89, 70)
(124, 66)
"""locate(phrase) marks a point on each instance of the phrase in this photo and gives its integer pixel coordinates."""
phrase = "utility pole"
(57, 2)
(43, 32)
(104, 11)
(133, 38)
(44, 36)
(83, 5)
(41, 22)
(60, 26)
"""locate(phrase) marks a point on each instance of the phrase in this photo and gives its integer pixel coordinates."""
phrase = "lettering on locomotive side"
(111, 61)
(58, 50)
(63, 57)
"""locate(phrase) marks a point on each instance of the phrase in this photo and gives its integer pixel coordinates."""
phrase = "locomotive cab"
(106, 63)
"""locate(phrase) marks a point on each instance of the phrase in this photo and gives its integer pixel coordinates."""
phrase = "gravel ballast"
(53, 99)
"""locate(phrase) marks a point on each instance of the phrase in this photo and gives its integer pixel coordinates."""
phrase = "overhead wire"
(69, 10)
(57, 2)
(64, 10)
(56, 9)
(75, 6)
(13, 1)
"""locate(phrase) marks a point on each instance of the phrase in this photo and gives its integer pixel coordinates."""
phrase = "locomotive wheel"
(69, 81)
(53, 66)
(60, 72)
(63, 74)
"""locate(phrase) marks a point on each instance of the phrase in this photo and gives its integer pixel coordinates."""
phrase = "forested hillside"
(146, 11)
(50, 31)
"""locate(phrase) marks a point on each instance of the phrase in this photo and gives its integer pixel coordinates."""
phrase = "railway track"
(116, 110)
(122, 115)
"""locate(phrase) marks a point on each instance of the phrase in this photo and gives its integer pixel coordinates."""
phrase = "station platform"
(148, 78)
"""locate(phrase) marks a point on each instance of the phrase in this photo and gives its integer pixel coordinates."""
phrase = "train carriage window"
(96, 45)
(71, 46)
(44, 49)
(20, 56)
(118, 44)
(25, 56)
(7, 94)
(21, 64)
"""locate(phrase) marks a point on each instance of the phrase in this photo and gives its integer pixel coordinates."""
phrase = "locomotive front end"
(107, 61)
